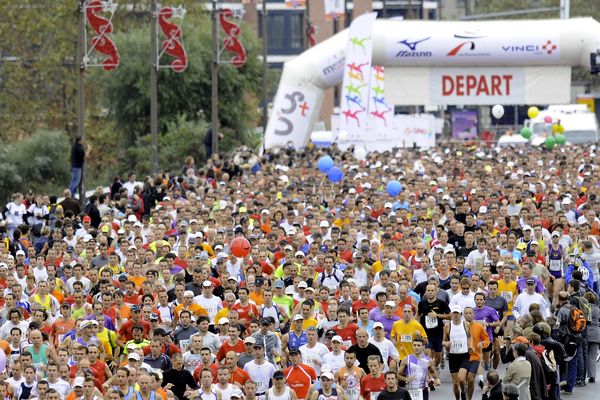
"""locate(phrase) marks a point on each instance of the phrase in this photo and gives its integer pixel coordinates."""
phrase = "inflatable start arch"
(441, 62)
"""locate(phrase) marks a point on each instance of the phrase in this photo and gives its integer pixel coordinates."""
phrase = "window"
(286, 32)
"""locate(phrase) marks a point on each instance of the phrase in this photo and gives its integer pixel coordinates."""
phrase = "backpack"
(577, 320)
(586, 307)
(549, 365)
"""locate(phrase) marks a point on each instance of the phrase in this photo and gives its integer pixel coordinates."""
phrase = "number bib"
(431, 322)
(416, 394)
(458, 347)
(555, 265)
(508, 296)
(374, 395)
(406, 338)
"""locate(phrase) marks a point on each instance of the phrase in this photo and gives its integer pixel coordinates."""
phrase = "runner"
(458, 341)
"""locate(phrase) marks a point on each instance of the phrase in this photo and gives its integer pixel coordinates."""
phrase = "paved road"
(444, 392)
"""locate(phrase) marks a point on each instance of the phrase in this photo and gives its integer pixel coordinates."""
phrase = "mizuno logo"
(413, 45)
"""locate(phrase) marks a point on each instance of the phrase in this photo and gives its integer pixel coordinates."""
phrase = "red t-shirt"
(244, 312)
(358, 304)
(126, 329)
(300, 379)
(369, 385)
(348, 333)
(213, 367)
(226, 347)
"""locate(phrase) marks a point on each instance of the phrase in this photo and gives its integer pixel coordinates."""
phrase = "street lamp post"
(214, 111)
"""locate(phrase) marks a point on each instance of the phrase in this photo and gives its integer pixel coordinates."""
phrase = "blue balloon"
(394, 188)
(325, 164)
(335, 174)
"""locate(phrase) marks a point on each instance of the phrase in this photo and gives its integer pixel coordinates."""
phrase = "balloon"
(240, 247)
(560, 139)
(394, 188)
(550, 142)
(360, 153)
(498, 111)
(548, 119)
(561, 129)
(533, 112)
(335, 174)
(325, 163)
(526, 133)
(2, 361)
(555, 128)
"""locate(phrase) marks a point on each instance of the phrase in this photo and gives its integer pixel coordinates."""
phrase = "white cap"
(324, 224)
(207, 283)
(456, 308)
(556, 233)
(20, 253)
(483, 210)
(327, 374)
(298, 317)
(302, 284)
(79, 381)
(223, 321)
(299, 253)
(445, 197)
(236, 392)
(133, 356)
(388, 205)
(337, 338)
(566, 200)
(527, 228)
(378, 325)
(390, 304)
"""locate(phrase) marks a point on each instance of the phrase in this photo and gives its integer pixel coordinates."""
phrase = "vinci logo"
(545, 49)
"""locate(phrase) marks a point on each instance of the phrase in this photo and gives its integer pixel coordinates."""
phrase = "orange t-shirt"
(257, 298)
(240, 376)
(196, 309)
(60, 327)
(478, 334)
(300, 379)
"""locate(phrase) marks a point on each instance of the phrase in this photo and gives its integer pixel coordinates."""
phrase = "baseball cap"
(250, 340)
(566, 200)
(133, 356)
(136, 308)
(294, 350)
(236, 393)
(223, 321)
(289, 247)
(388, 205)
(265, 321)
(78, 382)
(378, 325)
(324, 224)
(207, 283)
(303, 284)
(337, 338)
(390, 304)
(87, 218)
(331, 333)
(3, 266)
(258, 344)
(530, 280)
(456, 309)
(278, 374)
(526, 228)
(520, 339)
(298, 253)
(153, 317)
(20, 253)
(279, 284)
(298, 317)
(556, 233)
(327, 375)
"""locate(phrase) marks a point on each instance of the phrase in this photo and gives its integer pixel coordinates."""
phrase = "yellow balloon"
(561, 129)
(488, 169)
(533, 112)
(555, 128)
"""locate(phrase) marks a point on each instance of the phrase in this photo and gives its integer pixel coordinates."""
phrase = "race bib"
(458, 346)
(352, 393)
(585, 274)
(416, 394)
(431, 322)
(374, 395)
(406, 338)
(555, 265)
(508, 296)
(183, 344)
(347, 343)
(259, 385)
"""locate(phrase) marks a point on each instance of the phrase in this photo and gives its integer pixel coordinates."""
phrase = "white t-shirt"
(387, 350)
(260, 374)
(313, 357)
(332, 362)
(212, 305)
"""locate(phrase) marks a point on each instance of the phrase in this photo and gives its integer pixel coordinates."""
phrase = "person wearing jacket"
(577, 263)
(555, 348)
(593, 336)
(493, 387)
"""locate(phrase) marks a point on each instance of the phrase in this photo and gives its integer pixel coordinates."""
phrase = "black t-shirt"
(179, 379)
(464, 251)
(399, 394)
(456, 241)
(437, 306)
(362, 354)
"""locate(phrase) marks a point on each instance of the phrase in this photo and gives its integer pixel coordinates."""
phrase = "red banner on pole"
(102, 27)
(231, 41)
(173, 44)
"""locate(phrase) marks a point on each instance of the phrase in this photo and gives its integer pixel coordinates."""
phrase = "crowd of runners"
(486, 265)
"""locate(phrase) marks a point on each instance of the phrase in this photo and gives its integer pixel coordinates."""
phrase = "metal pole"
(81, 91)
(307, 29)
(214, 111)
(346, 18)
(565, 9)
(384, 9)
(153, 85)
(265, 52)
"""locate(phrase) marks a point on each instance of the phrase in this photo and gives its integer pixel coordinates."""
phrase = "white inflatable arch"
(425, 44)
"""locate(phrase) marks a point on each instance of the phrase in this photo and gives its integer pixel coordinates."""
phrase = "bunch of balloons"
(326, 166)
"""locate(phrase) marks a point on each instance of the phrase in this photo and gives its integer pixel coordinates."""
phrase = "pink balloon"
(548, 119)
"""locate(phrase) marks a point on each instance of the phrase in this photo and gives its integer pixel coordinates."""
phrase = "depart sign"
(493, 85)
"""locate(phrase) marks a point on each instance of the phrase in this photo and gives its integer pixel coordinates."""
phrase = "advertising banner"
(357, 75)
(479, 85)
(380, 113)
(334, 9)
(464, 124)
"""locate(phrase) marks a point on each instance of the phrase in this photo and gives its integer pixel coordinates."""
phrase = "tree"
(181, 96)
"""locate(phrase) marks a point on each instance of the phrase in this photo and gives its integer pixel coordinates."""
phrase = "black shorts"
(458, 362)
(490, 347)
(473, 367)
(435, 343)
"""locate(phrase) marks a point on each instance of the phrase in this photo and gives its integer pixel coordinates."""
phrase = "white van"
(581, 125)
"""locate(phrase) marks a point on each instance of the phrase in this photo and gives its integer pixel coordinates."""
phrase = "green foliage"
(126, 91)
(182, 138)
(38, 84)
(41, 163)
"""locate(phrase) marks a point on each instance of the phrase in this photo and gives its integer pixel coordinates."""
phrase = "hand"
(409, 379)
(437, 381)
(480, 345)
(432, 314)
(168, 386)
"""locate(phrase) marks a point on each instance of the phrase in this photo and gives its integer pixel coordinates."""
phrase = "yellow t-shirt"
(307, 323)
(403, 335)
(509, 292)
